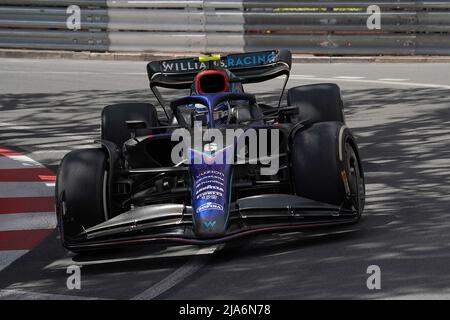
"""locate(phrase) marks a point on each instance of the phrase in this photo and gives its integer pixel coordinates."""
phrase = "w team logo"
(209, 224)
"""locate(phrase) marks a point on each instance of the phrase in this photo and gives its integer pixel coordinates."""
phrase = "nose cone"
(210, 197)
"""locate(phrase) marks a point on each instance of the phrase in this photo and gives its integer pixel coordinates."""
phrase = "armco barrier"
(318, 27)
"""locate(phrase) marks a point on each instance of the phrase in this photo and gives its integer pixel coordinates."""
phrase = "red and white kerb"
(27, 208)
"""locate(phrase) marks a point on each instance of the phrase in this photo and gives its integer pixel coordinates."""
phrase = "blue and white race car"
(215, 164)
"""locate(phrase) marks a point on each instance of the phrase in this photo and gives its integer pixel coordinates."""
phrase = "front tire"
(81, 192)
(323, 157)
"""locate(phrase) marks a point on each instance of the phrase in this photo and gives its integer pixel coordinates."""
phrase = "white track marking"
(13, 125)
(154, 2)
(302, 75)
(76, 138)
(74, 72)
(27, 221)
(348, 77)
(418, 296)
(8, 257)
(393, 79)
(172, 252)
(185, 271)
(18, 162)
(50, 151)
(407, 84)
(26, 189)
(13, 294)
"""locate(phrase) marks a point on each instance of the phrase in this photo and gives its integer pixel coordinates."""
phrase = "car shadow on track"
(113, 274)
(105, 274)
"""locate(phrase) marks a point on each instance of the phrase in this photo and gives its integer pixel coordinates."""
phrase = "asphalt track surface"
(400, 114)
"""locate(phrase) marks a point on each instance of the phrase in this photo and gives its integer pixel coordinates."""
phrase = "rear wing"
(249, 67)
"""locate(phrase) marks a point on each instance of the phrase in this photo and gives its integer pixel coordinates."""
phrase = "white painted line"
(27, 221)
(393, 79)
(406, 84)
(301, 75)
(8, 257)
(445, 295)
(50, 151)
(25, 189)
(13, 294)
(172, 252)
(76, 138)
(155, 2)
(18, 162)
(13, 125)
(173, 279)
(16, 126)
(348, 77)
(179, 275)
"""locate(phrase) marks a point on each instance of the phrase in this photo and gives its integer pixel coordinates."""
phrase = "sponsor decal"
(210, 148)
(231, 62)
(210, 206)
(209, 224)
(209, 191)
(210, 196)
(187, 65)
(251, 59)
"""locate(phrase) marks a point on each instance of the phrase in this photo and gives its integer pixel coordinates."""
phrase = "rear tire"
(81, 192)
(114, 127)
(320, 154)
(317, 102)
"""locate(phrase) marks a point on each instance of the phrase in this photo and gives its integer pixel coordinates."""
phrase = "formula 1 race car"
(170, 174)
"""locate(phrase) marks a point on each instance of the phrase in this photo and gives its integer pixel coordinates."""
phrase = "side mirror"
(134, 125)
(287, 113)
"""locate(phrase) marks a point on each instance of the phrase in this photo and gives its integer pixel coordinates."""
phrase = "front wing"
(173, 222)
